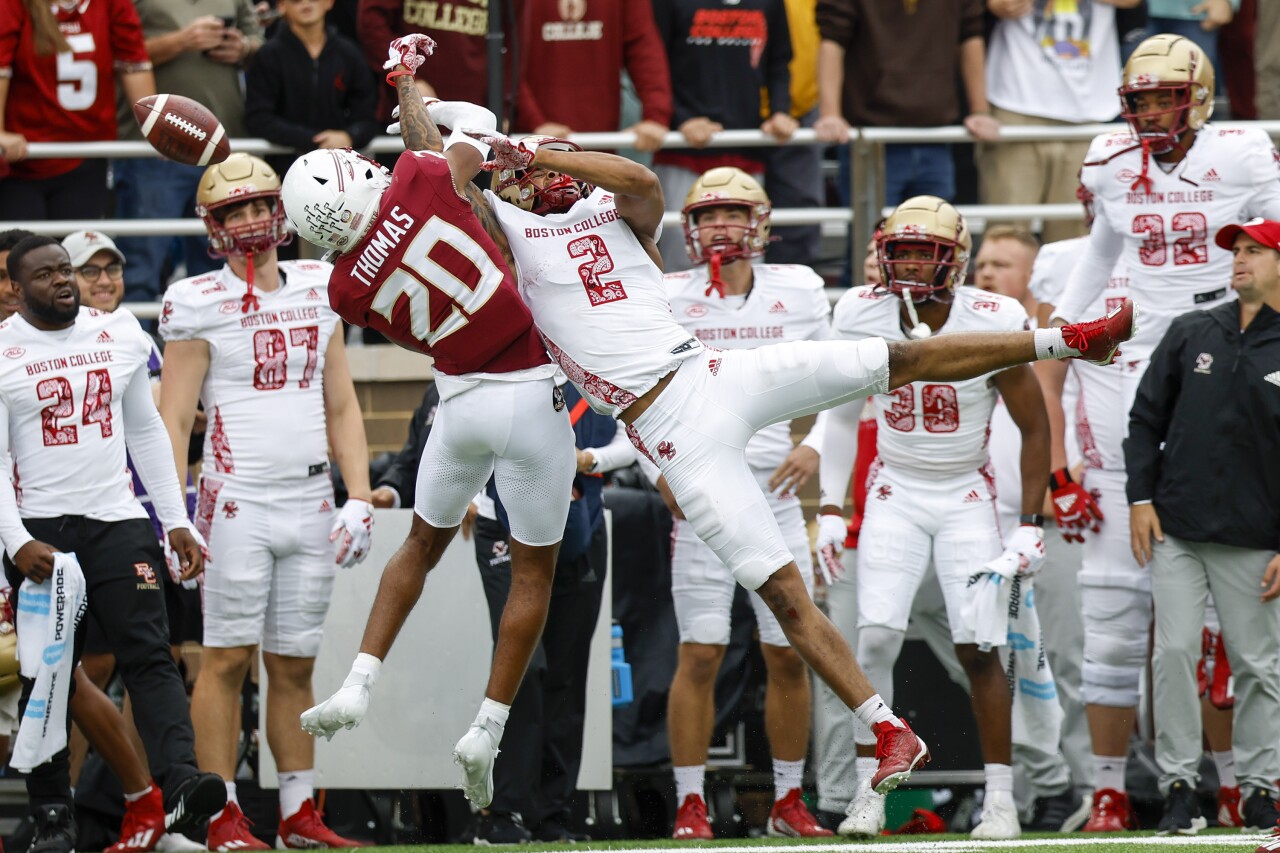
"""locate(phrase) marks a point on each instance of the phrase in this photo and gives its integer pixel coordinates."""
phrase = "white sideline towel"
(47, 617)
(986, 608)
(1037, 714)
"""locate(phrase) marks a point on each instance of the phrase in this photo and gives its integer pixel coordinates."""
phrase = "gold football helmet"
(727, 186)
(240, 178)
(926, 221)
(556, 195)
(1174, 64)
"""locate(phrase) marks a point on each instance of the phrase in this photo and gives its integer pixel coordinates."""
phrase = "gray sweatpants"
(1183, 574)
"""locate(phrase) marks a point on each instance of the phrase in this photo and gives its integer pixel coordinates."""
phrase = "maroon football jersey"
(427, 276)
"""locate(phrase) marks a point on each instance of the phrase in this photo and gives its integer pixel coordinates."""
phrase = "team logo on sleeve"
(166, 313)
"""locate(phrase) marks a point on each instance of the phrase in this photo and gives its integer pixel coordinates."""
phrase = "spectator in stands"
(1198, 20)
(58, 67)
(8, 296)
(1267, 60)
(721, 57)
(99, 269)
(309, 87)
(1206, 405)
(558, 40)
(895, 64)
(198, 48)
(1048, 64)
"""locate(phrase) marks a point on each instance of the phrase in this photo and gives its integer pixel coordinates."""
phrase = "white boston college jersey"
(1167, 232)
(785, 303)
(63, 391)
(597, 298)
(263, 392)
(931, 429)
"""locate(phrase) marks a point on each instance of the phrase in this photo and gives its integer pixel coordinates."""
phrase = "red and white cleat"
(229, 831)
(1098, 341)
(1229, 807)
(143, 823)
(1111, 812)
(305, 829)
(899, 752)
(691, 821)
(791, 818)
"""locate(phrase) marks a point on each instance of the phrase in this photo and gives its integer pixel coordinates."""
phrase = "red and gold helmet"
(1173, 64)
(727, 186)
(933, 224)
(556, 196)
(234, 181)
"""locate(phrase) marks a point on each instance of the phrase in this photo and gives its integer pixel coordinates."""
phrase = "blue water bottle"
(620, 670)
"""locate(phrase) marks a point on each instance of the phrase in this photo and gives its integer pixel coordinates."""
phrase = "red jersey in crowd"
(427, 276)
(67, 97)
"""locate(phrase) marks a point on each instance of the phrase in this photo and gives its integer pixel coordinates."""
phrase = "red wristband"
(399, 72)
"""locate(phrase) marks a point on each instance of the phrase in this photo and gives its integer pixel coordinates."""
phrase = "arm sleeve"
(836, 21)
(645, 59)
(815, 436)
(151, 453)
(264, 102)
(618, 453)
(128, 48)
(1089, 278)
(12, 530)
(778, 72)
(1149, 418)
(838, 452)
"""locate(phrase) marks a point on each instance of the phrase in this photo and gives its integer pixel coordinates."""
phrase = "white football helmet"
(331, 196)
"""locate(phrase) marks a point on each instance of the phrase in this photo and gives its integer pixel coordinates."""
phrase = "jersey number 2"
(97, 407)
(598, 263)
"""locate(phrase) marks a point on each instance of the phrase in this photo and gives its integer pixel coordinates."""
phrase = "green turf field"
(1225, 841)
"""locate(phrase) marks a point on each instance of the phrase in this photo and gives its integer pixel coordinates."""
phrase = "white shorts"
(702, 587)
(910, 521)
(514, 431)
(697, 430)
(1106, 557)
(271, 564)
(1102, 415)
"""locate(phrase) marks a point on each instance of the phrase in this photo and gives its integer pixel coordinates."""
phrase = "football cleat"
(305, 829)
(899, 752)
(1181, 811)
(691, 821)
(864, 817)
(143, 823)
(475, 753)
(999, 821)
(1098, 341)
(171, 842)
(1229, 807)
(230, 832)
(791, 818)
(1111, 812)
(196, 799)
(1259, 813)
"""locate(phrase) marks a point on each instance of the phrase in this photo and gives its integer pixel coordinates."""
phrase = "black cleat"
(1181, 811)
(1259, 812)
(55, 830)
(196, 799)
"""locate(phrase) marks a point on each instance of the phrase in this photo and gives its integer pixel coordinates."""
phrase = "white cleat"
(172, 842)
(864, 818)
(999, 822)
(475, 753)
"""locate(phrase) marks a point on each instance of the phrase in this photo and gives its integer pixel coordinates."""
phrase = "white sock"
(864, 767)
(787, 776)
(495, 711)
(689, 780)
(295, 791)
(1108, 772)
(133, 798)
(1050, 345)
(999, 779)
(1226, 764)
(231, 793)
(874, 710)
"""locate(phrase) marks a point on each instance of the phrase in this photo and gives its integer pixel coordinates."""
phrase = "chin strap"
(1143, 182)
(249, 302)
(714, 284)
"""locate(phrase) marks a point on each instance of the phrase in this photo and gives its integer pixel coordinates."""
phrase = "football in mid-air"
(182, 129)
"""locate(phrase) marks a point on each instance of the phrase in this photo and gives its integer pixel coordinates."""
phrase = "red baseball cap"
(1265, 231)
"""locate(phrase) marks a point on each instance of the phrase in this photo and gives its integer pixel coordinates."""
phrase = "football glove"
(507, 153)
(410, 51)
(832, 531)
(1023, 554)
(353, 532)
(173, 559)
(346, 708)
(1074, 509)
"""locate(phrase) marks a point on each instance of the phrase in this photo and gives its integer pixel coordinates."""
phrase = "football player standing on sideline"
(1160, 190)
(413, 262)
(934, 488)
(258, 345)
(73, 390)
(692, 408)
(729, 302)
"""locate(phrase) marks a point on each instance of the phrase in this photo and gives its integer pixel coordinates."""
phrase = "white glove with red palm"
(353, 531)
(410, 51)
(507, 153)
(832, 531)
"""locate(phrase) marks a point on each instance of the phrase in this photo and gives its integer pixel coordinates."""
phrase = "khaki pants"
(1267, 59)
(1031, 173)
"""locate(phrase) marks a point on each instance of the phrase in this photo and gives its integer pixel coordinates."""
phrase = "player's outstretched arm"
(636, 189)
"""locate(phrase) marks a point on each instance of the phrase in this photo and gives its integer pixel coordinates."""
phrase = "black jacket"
(1212, 397)
(402, 475)
(290, 97)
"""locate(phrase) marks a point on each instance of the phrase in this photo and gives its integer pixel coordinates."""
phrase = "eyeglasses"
(92, 272)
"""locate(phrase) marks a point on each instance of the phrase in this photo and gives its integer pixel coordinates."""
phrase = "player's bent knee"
(879, 645)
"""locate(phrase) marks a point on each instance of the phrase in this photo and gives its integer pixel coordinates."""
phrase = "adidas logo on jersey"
(311, 294)
(714, 366)
(778, 308)
(972, 498)
(1273, 377)
(1211, 175)
(105, 338)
